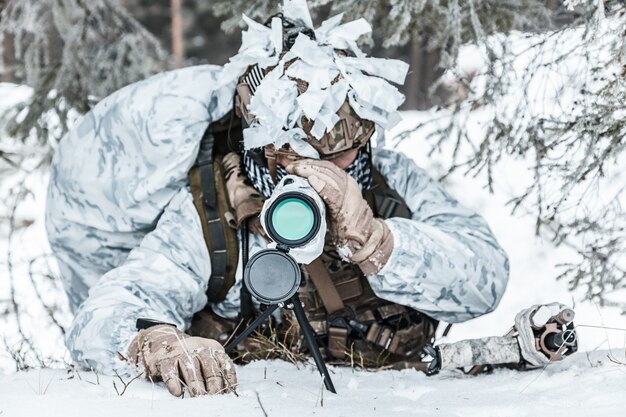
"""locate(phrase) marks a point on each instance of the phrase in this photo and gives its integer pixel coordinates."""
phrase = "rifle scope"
(294, 218)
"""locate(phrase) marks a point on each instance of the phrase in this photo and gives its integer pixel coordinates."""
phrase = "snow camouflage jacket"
(122, 224)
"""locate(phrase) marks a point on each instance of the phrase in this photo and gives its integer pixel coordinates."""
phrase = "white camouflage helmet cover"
(276, 104)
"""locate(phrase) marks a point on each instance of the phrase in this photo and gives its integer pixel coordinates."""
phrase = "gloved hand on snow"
(359, 237)
(182, 361)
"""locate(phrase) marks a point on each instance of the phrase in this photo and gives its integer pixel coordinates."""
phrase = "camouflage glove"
(360, 238)
(244, 199)
(179, 360)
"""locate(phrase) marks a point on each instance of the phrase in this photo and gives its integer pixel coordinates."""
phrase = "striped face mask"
(261, 180)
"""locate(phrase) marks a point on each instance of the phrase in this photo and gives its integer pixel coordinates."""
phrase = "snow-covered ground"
(585, 385)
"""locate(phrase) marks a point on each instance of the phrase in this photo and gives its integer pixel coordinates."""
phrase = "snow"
(13, 94)
(583, 386)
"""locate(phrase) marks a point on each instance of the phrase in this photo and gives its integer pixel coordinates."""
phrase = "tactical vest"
(354, 325)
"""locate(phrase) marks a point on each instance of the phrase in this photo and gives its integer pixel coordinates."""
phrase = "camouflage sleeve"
(125, 235)
(446, 261)
(164, 278)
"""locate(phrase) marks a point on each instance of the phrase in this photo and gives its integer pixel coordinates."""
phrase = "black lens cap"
(272, 276)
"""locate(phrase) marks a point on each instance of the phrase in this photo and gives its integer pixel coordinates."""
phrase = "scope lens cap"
(272, 276)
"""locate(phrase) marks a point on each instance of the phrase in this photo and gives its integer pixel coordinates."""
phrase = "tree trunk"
(414, 76)
(423, 72)
(553, 4)
(178, 42)
(6, 56)
(7, 60)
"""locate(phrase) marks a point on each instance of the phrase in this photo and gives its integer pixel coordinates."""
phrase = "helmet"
(350, 132)
(310, 92)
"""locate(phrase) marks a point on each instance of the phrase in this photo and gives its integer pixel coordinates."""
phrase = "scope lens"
(293, 219)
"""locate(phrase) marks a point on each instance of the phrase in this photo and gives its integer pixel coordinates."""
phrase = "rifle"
(541, 334)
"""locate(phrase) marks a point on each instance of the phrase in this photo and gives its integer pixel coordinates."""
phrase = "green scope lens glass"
(293, 219)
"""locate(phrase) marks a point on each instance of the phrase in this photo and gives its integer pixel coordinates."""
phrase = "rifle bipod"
(309, 335)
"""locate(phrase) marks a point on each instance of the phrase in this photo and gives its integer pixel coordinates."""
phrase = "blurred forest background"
(545, 81)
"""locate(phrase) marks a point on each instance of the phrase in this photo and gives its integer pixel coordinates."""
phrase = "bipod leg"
(309, 338)
(268, 311)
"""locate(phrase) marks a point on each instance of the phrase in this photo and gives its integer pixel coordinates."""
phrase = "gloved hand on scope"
(359, 237)
(179, 360)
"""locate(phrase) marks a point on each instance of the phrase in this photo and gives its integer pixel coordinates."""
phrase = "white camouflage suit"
(122, 224)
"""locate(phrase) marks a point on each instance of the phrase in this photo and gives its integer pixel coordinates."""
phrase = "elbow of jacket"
(492, 293)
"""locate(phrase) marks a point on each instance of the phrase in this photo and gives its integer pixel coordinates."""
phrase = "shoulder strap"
(384, 201)
(208, 189)
(324, 285)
